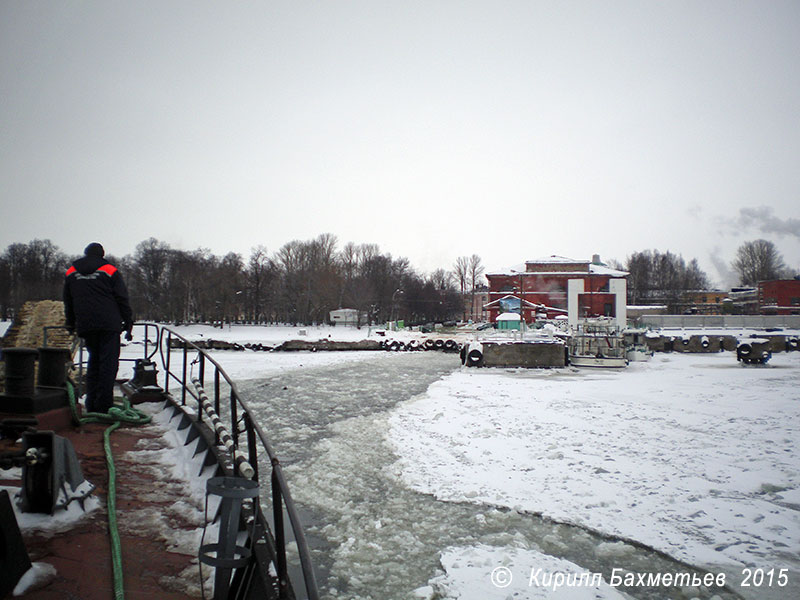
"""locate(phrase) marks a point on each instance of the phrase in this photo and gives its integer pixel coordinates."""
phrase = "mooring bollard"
(53, 367)
(225, 555)
(20, 368)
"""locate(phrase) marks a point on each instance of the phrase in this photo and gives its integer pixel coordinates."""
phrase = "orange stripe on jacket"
(108, 269)
(70, 271)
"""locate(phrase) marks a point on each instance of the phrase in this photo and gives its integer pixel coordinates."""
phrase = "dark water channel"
(372, 537)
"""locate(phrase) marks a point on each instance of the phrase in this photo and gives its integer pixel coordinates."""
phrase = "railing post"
(183, 378)
(252, 451)
(168, 361)
(280, 536)
(202, 379)
(216, 401)
(234, 421)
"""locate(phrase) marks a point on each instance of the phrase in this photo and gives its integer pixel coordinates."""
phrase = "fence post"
(216, 401)
(234, 421)
(183, 379)
(168, 361)
(252, 450)
(280, 536)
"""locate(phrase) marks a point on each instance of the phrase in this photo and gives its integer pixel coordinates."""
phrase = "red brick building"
(540, 286)
(779, 297)
(474, 303)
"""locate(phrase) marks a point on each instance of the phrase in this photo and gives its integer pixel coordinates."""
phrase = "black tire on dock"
(474, 358)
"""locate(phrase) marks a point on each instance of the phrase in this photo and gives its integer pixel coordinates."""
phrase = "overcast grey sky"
(435, 129)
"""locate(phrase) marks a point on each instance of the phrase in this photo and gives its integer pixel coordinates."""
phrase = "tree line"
(662, 277)
(303, 281)
(300, 283)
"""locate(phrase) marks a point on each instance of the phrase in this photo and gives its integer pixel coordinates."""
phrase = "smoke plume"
(763, 219)
(726, 276)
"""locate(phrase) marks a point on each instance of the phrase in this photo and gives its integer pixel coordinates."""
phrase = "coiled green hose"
(117, 417)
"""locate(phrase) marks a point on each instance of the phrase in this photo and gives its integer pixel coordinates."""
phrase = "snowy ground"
(692, 455)
(276, 334)
(247, 364)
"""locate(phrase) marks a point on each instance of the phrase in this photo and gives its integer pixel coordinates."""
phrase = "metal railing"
(236, 411)
(78, 346)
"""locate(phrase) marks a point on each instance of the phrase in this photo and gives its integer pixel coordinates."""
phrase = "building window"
(608, 310)
(794, 301)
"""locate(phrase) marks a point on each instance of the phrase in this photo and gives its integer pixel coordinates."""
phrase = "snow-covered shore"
(245, 365)
(692, 455)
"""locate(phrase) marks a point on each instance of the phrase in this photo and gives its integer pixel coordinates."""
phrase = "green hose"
(116, 416)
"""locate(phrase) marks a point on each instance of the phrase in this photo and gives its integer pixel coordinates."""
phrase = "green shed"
(508, 320)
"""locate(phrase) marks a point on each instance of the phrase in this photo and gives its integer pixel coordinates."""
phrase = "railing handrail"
(165, 335)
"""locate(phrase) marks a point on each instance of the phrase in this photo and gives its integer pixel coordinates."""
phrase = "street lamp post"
(521, 306)
(394, 304)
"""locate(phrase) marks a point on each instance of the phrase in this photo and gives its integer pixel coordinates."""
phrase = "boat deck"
(82, 555)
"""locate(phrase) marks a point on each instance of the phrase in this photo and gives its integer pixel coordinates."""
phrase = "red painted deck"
(82, 556)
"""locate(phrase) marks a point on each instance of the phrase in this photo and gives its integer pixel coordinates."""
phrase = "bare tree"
(260, 278)
(228, 277)
(639, 268)
(475, 271)
(289, 259)
(461, 273)
(758, 260)
(662, 277)
(180, 298)
(694, 278)
(32, 271)
(150, 278)
(310, 279)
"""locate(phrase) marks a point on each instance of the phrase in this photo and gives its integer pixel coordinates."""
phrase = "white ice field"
(693, 455)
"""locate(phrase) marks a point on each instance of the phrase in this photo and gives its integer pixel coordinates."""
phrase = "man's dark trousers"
(101, 373)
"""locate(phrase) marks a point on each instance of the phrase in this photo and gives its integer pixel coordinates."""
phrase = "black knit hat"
(94, 249)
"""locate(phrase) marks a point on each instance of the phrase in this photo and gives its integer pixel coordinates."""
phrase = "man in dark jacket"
(97, 308)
